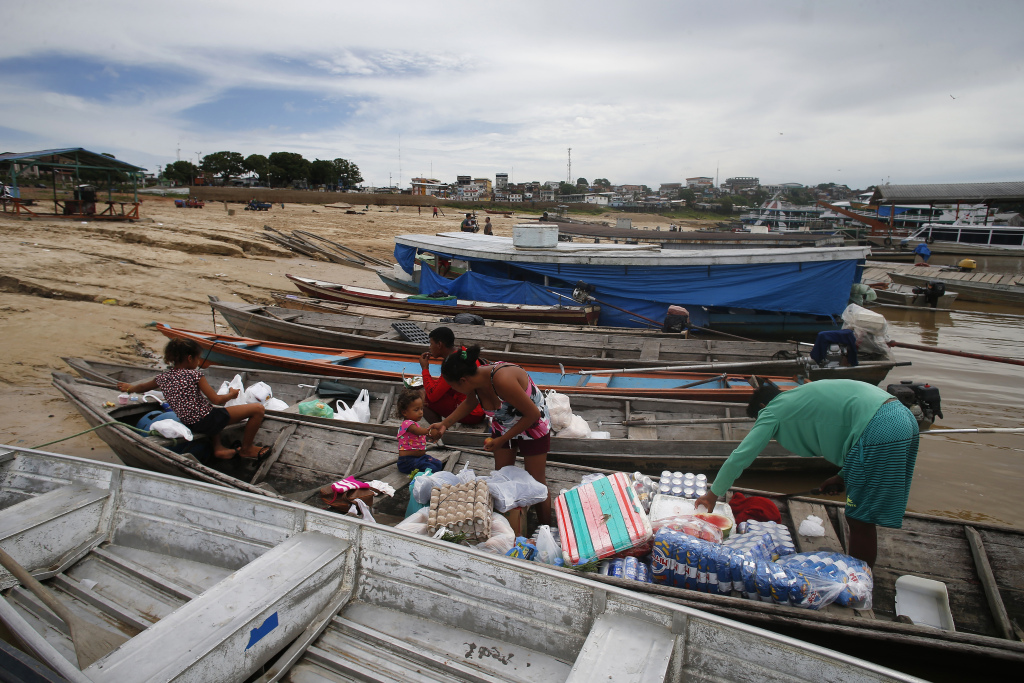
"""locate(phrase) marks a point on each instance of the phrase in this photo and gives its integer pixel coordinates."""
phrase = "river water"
(976, 477)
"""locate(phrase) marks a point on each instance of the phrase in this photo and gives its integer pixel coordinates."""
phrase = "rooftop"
(951, 193)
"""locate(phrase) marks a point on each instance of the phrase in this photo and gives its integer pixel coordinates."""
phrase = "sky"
(650, 92)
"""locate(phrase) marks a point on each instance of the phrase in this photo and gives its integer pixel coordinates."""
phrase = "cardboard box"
(517, 520)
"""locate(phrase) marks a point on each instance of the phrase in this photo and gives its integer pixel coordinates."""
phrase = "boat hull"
(578, 315)
(967, 290)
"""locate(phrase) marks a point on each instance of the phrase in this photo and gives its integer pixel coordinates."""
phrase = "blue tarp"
(816, 288)
(406, 257)
(499, 290)
(883, 211)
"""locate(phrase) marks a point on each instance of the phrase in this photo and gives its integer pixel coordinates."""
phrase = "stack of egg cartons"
(462, 508)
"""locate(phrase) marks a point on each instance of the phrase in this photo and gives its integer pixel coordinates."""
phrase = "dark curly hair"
(405, 399)
(460, 364)
(179, 350)
(763, 395)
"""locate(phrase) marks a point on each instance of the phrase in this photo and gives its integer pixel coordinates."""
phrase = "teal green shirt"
(820, 419)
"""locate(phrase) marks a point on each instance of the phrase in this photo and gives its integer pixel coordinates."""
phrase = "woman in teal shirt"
(862, 429)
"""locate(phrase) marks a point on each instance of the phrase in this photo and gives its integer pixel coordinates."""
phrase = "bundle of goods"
(602, 518)
(809, 581)
(681, 485)
(774, 539)
(462, 509)
(260, 392)
(645, 489)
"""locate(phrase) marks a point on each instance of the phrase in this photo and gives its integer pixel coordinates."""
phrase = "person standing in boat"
(519, 415)
(865, 431)
(439, 399)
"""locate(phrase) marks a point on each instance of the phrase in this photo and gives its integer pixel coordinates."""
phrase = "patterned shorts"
(878, 469)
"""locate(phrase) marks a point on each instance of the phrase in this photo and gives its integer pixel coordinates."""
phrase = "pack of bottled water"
(854, 575)
(749, 534)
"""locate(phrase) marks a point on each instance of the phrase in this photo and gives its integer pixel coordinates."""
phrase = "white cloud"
(650, 92)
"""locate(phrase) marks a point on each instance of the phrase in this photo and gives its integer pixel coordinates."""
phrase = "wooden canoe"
(536, 346)
(978, 562)
(664, 434)
(222, 349)
(213, 584)
(903, 295)
(578, 315)
(969, 286)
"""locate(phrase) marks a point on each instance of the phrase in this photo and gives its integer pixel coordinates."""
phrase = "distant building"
(547, 194)
(428, 187)
(463, 180)
(669, 188)
(500, 182)
(700, 183)
(742, 184)
(485, 187)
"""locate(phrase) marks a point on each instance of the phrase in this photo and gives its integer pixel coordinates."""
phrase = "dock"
(876, 271)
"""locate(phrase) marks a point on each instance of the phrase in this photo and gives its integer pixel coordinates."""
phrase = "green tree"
(224, 164)
(181, 171)
(689, 195)
(322, 172)
(287, 166)
(582, 182)
(725, 206)
(347, 173)
(566, 188)
(257, 164)
(602, 182)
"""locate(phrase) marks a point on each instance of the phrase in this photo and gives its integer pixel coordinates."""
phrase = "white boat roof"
(492, 247)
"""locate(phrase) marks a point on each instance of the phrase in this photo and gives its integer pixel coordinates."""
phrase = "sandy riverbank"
(55, 274)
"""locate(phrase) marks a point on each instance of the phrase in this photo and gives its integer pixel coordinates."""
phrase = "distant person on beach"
(197, 405)
(487, 226)
(440, 400)
(862, 429)
(435, 212)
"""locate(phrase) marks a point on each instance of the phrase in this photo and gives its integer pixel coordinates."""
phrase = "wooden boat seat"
(40, 530)
(621, 648)
(340, 359)
(257, 609)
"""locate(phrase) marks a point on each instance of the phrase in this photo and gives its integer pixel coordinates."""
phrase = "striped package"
(600, 519)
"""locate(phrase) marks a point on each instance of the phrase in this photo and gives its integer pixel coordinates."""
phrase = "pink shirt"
(407, 441)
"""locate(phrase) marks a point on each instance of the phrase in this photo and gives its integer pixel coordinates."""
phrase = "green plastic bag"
(316, 409)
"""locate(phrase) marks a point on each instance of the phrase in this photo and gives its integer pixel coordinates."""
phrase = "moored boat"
(244, 352)
(649, 435)
(969, 286)
(406, 302)
(537, 346)
(207, 583)
(904, 295)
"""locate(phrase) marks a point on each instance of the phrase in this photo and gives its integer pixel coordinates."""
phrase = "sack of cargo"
(559, 410)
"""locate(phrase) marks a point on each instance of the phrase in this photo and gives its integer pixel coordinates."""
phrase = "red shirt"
(443, 400)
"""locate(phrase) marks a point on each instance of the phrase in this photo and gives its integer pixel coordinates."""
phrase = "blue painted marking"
(257, 634)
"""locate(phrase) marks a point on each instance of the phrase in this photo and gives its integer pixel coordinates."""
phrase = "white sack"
(172, 429)
(577, 429)
(275, 404)
(559, 410)
(512, 487)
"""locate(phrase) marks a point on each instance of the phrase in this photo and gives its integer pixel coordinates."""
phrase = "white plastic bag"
(364, 512)
(870, 329)
(172, 429)
(547, 548)
(417, 522)
(235, 383)
(466, 474)
(577, 429)
(275, 404)
(153, 396)
(502, 537)
(361, 406)
(422, 485)
(343, 411)
(512, 487)
(259, 392)
(559, 410)
(812, 527)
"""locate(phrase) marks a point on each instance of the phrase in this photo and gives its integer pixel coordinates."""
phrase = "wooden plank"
(651, 349)
(385, 407)
(799, 510)
(356, 463)
(275, 453)
(988, 583)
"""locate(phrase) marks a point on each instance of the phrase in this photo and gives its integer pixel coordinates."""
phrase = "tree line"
(277, 170)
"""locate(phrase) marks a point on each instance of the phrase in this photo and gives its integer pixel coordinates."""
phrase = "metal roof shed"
(75, 159)
(951, 193)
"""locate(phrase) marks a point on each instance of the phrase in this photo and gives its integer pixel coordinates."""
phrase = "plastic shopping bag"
(316, 409)
(502, 537)
(361, 407)
(547, 549)
(235, 383)
(559, 410)
(577, 429)
(259, 392)
(275, 404)
(344, 412)
(512, 487)
(171, 429)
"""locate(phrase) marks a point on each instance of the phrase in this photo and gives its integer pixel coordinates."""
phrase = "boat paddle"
(90, 642)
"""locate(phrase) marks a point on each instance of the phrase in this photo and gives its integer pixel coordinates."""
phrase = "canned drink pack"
(643, 573)
(629, 568)
(615, 568)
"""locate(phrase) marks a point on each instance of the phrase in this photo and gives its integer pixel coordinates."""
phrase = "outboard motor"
(677, 320)
(920, 398)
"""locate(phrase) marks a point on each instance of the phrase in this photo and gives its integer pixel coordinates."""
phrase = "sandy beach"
(56, 274)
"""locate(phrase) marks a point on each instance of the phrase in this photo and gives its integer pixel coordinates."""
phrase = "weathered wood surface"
(535, 346)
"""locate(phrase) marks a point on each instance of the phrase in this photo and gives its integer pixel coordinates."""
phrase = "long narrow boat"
(485, 309)
(983, 287)
(661, 434)
(222, 349)
(978, 562)
(210, 584)
(535, 346)
(904, 295)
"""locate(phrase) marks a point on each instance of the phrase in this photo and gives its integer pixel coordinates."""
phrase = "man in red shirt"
(440, 399)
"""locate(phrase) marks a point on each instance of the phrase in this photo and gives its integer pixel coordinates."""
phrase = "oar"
(964, 354)
(978, 430)
(696, 368)
(724, 334)
(90, 642)
(679, 421)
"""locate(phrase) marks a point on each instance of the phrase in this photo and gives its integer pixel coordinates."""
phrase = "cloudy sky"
(644, 92)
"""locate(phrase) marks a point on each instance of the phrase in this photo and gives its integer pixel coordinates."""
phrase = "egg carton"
(462, 508)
